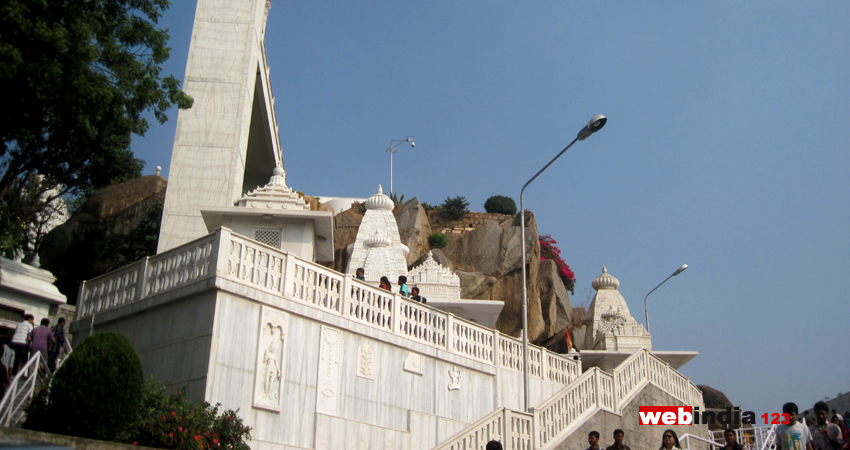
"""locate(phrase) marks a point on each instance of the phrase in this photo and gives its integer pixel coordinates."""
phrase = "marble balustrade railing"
(237, 258)
(511, 428)
(594, 390)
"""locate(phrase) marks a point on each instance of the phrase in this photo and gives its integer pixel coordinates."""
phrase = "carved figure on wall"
(454, 377)
(271, 377)
(270, 359)
(413, 363)
(365, 361)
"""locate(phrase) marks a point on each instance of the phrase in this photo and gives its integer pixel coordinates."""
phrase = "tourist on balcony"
(19, 342)
(360, 274)
(731, 440)
(825, 435)
(793, 435)
(414, 295)
(669, 440)
(618, 438)
(56, 346)
(402, 286)
(39, 338)
(385, 284)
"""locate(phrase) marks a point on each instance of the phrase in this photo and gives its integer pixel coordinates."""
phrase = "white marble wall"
(210, 335)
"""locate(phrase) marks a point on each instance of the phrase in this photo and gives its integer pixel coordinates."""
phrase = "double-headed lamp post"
(593, 126)
(645, 307)
(392, 150)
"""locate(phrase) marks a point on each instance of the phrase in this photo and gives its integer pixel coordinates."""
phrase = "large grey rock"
(475, 285)
(346, 225)
(493, 252)
(554, 299)
(413, 228)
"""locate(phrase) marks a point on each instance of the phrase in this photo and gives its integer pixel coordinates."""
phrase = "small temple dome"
(605, 281)
(378, 240)
(380, 201)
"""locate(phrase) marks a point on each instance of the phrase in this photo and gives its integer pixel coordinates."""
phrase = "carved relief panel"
(328, 383)
(365, 361)
(271, 356)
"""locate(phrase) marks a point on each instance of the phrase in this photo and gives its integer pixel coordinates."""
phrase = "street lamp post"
(645, 307)
(593, 126)
(392, 150)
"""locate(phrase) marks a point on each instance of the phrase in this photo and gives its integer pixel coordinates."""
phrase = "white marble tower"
(227, 143)
(378, 248)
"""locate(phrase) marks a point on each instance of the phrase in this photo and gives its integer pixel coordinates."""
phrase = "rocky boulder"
(488, 262)
(413, 228)
(117, 223)
(346, 225)
(554, 299)
(713, 398)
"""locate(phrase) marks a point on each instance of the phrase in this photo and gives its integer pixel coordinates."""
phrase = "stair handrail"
(8, 406)
(686, 438)
(770, 439)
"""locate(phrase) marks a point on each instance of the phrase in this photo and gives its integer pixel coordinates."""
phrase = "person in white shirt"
(793, 435)
(20, 340)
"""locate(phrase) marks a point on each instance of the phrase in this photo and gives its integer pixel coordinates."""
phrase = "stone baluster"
(395, 323)
(142, 282)
(544, 365)
(497, 352)
(450, 333)
(345, 287)
(507, 430)
(287, 279)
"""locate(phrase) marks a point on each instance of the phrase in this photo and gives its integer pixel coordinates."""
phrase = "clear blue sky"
(726, 149)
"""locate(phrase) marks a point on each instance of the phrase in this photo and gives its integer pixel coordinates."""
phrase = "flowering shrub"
(549, 251)
(177, 423)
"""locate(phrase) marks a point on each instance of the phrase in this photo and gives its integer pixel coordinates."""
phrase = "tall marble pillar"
(227, 143)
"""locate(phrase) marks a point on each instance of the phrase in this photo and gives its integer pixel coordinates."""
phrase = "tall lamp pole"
(392, 150)
(645, 307)
(593, 126)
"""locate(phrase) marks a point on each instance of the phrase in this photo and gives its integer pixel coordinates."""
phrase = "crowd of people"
(403, 289)
(829, 432)
(29, 339)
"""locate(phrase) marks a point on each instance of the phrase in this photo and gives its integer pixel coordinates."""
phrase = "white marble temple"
(25, 289)
(378, 248)
(612, 327)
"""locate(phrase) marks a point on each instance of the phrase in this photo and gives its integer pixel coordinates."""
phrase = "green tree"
(454, 208)
(500, 204)
(78, 75)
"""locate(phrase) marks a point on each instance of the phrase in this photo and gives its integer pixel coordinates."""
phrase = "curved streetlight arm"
(392, 151)
(645, 307)
(525, 361)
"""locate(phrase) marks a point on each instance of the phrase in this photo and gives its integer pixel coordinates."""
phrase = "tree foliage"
(454, 208)
(437, 240)
(96, 392)
(500, 204)
(77, 77)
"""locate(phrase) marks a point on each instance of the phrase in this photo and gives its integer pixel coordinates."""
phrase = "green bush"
(454, 208)
(437, 240)
(500, 204)
(427, 207)
(96, 392)
(177, 423)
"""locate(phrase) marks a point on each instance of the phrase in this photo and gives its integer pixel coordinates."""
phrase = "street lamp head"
(595, 124)
(412, 144)
(680, 270)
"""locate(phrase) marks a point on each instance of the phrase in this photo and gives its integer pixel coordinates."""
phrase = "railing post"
(450, 337)
(396, 323)
(82, 303)
(596, 389)
(222, 251)
(142, 282)
(536, 428)
(507, 430)
(288, 278)
(344, 293)
(497, 353)
(544, 365)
